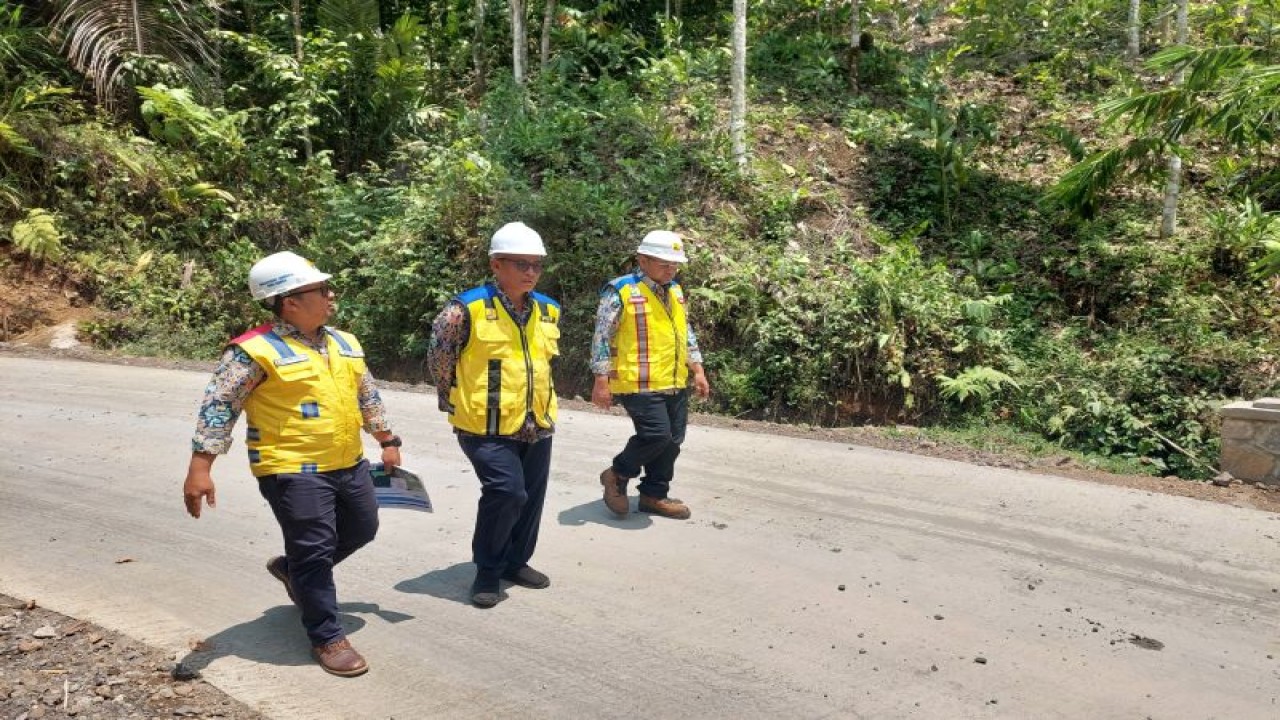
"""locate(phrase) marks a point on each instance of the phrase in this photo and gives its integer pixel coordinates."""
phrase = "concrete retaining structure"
(1251, 440)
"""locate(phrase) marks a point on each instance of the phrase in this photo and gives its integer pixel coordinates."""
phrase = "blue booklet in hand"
(400, 489)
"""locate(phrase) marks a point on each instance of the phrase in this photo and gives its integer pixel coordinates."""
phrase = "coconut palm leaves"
(105, 39)
(1228, 93)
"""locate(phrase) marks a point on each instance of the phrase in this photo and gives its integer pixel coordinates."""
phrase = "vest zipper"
(675, 335)
(528, 371)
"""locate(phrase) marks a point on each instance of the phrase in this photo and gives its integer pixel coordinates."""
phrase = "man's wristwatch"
(395, 441)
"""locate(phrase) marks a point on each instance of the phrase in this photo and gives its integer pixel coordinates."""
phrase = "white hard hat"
(664, 245)
(516, 239)
(279, 273)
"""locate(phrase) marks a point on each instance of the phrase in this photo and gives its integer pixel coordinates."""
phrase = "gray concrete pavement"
(815, 580)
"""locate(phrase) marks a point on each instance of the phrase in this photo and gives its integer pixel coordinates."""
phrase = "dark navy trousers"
(660, 422)
(324, 517)
(513, 486)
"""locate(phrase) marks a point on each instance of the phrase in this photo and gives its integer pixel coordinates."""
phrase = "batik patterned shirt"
(449, 335)
(235, 379)
(609, 318)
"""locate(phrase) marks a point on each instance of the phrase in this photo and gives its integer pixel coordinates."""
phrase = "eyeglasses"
(324, 289)
(524, 266)
(663, 264)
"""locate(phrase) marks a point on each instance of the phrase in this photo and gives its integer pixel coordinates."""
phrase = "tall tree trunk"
(548, 21)
(1182, 26)
(856, 43)
(477, 49)
(738, 80)
(519, 41)
(1173, 188)
(297, 54)
(1135, 28)
(1244, 13)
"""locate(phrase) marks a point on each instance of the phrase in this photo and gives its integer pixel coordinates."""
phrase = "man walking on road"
(490, 354)
(643, 352)
(307, 394)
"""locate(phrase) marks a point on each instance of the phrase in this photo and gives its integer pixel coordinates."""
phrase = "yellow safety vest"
(305, 417)
(651, 347)
(504, 372)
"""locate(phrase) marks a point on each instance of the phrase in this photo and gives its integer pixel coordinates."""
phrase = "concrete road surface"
(815, 580)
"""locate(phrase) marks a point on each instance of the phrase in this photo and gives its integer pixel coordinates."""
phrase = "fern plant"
(979, 383)
(38, 235)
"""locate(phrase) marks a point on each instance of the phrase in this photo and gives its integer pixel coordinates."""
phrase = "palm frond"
(1145, 111)
(1249, 108)
(350, 17)
(1203, 68)
(28, 108)
(10, 194)
(100, 36)
(1070, 141)
(1083, 187)
(23, 46)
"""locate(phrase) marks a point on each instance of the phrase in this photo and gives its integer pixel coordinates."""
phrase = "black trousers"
(513, 487)
(324, 518)
(660, 422)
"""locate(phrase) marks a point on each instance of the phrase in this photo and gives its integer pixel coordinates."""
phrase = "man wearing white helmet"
(490, 354)
(307, 394)
(643, 353)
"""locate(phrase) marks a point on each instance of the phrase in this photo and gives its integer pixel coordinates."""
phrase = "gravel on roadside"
(53, 666)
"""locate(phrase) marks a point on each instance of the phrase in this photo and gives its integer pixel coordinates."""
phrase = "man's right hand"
(198, 487)
(600, 394)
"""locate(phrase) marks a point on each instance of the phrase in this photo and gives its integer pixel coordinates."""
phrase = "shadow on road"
(596, 512)
(451, 583)
(277, 636)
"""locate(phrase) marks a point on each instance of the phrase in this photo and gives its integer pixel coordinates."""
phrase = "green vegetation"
(952, 223)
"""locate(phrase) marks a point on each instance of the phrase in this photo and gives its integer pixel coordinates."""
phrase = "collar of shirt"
(284, 329)
(658, 289)
(520, 316)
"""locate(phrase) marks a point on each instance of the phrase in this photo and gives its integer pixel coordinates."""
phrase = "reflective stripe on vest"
(305, 416)
(651, 347)
(504, 371)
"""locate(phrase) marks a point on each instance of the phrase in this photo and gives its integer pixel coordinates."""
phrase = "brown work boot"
(615, 492)
(339, 658)
(666, 507)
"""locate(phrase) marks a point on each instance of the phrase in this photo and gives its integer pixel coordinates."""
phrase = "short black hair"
(275, 304)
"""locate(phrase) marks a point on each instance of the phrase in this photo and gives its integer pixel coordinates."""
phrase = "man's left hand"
(391, 458)
(701, 387)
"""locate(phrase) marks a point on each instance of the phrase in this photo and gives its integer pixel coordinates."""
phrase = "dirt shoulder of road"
(907, 440)
(55, 666)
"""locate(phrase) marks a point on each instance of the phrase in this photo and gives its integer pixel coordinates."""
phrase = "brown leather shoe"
(339, 658)
(615, 492)
(278, 567)
(666, 507)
